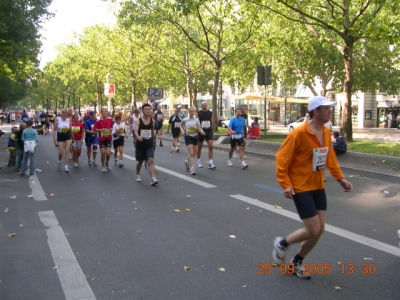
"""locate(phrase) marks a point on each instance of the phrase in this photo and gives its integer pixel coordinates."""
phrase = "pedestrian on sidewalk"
(12, 145)
(390, 118)
(300, 163)
(30, 139)
(20, 146)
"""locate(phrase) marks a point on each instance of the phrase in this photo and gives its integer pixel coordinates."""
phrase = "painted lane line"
(73, 281)
(329, 228)
(36, 187)
(179, 175)
(271, 188)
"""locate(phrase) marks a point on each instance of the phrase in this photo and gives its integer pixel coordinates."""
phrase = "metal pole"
(265, 110)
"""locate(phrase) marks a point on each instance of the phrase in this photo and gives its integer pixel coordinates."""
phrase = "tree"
(342, 24)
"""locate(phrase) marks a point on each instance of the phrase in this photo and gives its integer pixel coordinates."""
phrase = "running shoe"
(89, 163)
(137, 178)
(279, 252)
(173, 149)
(192, 172)
(234, 154)
(66, 169)
(115, 162)
(229, 163)
(199, 165)
(161, 145)
(103, 170)
(177, 149)
(59, 165)
(108, 167)
(94, 163)
(75, 165)
(187, 165)
(179, 144)
(211, 166)
(153, 181)
(121, 164)
(299, 270)
(56, 145)
(245, 166)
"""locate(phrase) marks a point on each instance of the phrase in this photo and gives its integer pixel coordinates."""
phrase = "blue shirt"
(237, 125)
(89, 124)
(30, 134)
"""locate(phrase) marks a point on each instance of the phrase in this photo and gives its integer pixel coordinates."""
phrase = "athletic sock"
(284, 244)
(210, 161)
(297, 259)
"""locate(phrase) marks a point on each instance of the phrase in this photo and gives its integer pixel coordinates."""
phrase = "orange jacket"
(295, 156)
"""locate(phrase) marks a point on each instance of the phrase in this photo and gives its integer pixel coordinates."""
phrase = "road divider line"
(37, 190)
(329, 228)
(179, 175)
(73, 281)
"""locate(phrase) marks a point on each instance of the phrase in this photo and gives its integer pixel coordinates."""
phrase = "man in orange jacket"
(300, 166)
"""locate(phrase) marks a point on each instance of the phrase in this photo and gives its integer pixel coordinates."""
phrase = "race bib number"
(64, 129)
(43, 119)
(76, 129)
(192, 130)
(205, 124)
(236, 136)
(105, 133)
(145, 134)
(319, 158)
(177, 124)
(121, 130)
(159, 117)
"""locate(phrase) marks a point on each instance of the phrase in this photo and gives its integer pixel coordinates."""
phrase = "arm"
(199, 129)
(55, 130)
(284, 158)
(137, 124)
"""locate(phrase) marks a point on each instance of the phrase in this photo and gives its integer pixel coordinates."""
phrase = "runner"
(62, 126)
(43, 119)
(182, 117)
(119, 136)
(205, 118)
(244, 115)
(77, 133)
(104, 128)
(236, 129)
(159, 116)
(190, 128)
(51, 119)
(144, 131)
(300, 163)
(91, 139)
(175, 124)
(134, 118)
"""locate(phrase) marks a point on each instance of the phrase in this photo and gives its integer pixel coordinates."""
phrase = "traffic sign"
(155, 93)
(109, 90)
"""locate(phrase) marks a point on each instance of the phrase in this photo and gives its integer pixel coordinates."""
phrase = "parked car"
(225, 123)
(295, 124)
(220, 121)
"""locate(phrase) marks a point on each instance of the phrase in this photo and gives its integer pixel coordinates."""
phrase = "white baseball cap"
(179, 106)
(318, 101)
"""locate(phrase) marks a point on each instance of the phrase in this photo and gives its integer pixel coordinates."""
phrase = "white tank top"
(63, 126)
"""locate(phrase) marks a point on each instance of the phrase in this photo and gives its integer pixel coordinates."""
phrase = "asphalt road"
(105, 236)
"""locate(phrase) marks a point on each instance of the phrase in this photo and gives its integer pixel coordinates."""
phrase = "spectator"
(339, 145)
(254, 132)
(390, 118)
(12, 144)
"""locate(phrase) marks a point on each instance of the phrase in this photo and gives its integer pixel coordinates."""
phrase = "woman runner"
(62, 126)
(77, 134)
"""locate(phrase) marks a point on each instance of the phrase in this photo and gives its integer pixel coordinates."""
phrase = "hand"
(139, 138)
(288, 193)
(346, 185)
(233, 132)
(202, 133)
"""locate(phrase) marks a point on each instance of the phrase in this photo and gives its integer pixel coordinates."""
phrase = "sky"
(71, 16)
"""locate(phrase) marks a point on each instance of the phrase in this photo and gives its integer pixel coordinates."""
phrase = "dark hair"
(29, 123)
(311, 113)
(146, 104)
(336, 134)
(256, 119)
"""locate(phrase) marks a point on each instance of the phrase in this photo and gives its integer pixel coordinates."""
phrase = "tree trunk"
(214, 97)
(133, 97)
(347, 127)
(195, 91)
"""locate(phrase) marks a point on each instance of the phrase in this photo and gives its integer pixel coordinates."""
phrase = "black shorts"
(159, 125)
(105, 144)
(191, 140)
(144, 153)
(245, 135)
(308, 203)
(175, 133)
(119, 142)
(62, 137)
(239, 142)
(44, 123)
(207, 137)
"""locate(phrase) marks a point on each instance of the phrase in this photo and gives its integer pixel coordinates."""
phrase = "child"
(29, 136)
(12, 144)
(340, 145)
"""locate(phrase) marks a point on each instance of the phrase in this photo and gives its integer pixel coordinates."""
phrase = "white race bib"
(319, 158)
(43, 119)
(177, 124)
(205, 124)
(145, 133)
(159, 117)
(236, 136)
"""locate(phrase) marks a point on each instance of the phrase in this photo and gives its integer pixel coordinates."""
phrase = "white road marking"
(329, 228)
(73, 281)
(179, 175)
(37, 190)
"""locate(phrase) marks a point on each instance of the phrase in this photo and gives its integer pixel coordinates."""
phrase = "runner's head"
(104, 112)
(118, 119)
(238, 112)
(64, 114)
(319, 108)
(92, 115)
(176, 111)
(243, 109)
(137, 111)
(192, 111)
(75, 118)
(159, 108)
(146, 109)
(204, 105)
